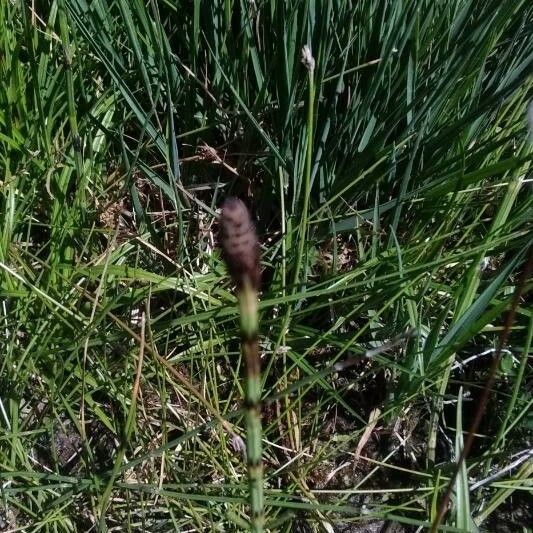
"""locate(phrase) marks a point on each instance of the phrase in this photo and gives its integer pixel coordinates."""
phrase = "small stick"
(241, 252)
(520, 288)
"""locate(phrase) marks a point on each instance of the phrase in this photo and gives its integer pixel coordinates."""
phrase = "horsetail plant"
(241, 253)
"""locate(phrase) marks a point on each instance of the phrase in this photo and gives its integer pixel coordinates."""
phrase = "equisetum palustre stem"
(241, 252)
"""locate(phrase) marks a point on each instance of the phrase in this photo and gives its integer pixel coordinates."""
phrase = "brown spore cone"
(239, 243)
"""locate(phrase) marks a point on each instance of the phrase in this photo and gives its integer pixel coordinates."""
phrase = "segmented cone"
(239, 243)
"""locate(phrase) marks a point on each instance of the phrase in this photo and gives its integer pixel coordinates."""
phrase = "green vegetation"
(391, 186)
(240, 249)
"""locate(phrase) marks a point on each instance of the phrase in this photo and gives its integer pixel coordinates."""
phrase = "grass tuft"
(389, 175)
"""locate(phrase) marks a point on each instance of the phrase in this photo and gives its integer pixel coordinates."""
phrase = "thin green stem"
(250, 349)
(303, 230)
(307, 179)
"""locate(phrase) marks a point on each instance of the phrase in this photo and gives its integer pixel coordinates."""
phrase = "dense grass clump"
(389, 175)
